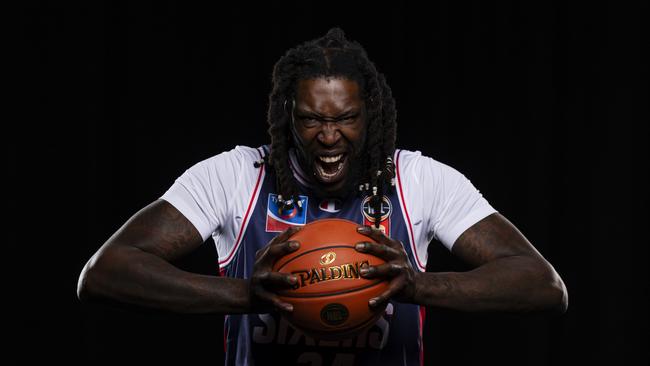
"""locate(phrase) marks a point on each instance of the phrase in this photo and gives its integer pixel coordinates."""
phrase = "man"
(332, 154)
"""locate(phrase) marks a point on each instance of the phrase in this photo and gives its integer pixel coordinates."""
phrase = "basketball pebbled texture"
(330, 300)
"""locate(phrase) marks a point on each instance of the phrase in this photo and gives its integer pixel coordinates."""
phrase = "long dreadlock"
(334, 56)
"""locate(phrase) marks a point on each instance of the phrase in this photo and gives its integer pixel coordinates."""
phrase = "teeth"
(326, 174)
(330, 159)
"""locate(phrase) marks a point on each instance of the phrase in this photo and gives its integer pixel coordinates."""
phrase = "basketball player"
(332, 154)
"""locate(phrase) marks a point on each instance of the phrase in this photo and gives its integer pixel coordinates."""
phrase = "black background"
(544, 106)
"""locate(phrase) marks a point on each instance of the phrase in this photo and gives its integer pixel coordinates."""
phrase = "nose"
(329, 134)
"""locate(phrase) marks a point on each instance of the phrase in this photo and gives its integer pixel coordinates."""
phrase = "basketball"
(330, 298)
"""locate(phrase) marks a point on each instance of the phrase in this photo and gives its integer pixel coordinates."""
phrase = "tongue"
(330, 168)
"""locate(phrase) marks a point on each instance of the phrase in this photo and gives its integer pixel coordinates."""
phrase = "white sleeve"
(445, 201)
(206, 192)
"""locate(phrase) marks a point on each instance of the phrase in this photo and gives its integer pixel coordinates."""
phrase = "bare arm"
(508, 275)
(133, 267)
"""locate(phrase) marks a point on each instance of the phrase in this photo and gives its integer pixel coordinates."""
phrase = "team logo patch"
(278, 221)
(386, 208)
(330, 205)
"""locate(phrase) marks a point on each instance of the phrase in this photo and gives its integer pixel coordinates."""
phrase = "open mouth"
(330, 169)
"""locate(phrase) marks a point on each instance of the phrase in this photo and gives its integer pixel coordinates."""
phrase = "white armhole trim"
(225, 260)
(421, 266)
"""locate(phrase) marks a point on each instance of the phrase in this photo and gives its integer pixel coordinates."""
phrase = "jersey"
(228, 198)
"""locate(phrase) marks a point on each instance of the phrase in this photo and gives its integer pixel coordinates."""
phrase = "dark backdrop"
(543, 106)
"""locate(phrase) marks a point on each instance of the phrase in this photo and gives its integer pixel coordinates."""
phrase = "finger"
(281, 238)
(277, 280)
(380, 250)
(285, 235)
(385, 296)
(275, 251)
(386, 270)
(278, 250)
(377, 235)
(274, 299)
(260, 252)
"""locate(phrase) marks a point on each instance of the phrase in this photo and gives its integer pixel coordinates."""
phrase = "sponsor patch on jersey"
(278, 221)
(330, 205)
(386, 208)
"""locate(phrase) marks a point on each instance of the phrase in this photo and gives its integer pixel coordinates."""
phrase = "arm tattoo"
(489, 239)
(162, 230)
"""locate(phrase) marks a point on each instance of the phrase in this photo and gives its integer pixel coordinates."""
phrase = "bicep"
(492, 238)
(159, 229)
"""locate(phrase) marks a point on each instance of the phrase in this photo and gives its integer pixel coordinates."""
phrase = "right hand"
(264, 282)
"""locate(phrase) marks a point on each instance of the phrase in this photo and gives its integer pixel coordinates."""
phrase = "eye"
(308, 122)
(348, 120)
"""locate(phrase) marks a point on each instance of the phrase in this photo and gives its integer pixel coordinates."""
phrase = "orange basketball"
(330, 299)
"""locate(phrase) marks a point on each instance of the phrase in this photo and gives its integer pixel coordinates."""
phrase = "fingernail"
(288, 307)
(292, 279)
(364, 270)
(293, 245)
(363, 229)
(372, 302)
(361, 246)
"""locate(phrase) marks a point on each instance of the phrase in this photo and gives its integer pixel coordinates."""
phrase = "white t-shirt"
(439, 201)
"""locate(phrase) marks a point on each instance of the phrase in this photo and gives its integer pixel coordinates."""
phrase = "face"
(329, 128)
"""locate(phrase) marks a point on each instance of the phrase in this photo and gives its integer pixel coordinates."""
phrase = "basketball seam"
(333, 293)
(313, 250)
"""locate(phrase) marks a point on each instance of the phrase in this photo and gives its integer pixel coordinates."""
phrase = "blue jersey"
(244, 225)
(396, 338)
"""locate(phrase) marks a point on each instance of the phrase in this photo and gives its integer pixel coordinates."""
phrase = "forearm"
(147, 280)
(516, 283)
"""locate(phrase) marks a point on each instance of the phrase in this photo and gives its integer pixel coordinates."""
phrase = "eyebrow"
(347, 113)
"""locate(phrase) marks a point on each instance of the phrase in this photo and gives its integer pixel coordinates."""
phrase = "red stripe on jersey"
(248, 211)
(408, 218)
(423, 313)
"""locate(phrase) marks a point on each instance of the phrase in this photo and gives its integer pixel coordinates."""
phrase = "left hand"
(397, 269)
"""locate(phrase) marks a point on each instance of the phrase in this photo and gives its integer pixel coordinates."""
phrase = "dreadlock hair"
(333, 56)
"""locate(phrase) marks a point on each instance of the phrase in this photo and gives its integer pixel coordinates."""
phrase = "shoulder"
(239, 155)
(230, 167)
(238, 160)
(413, 164)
